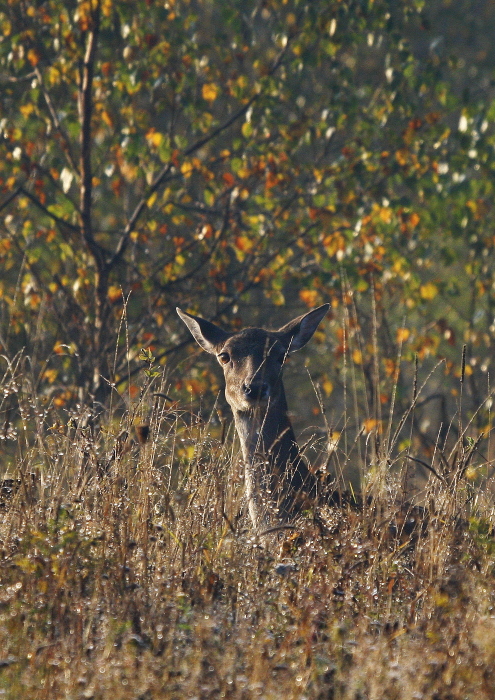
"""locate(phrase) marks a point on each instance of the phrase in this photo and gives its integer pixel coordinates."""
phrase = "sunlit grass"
(129, 570)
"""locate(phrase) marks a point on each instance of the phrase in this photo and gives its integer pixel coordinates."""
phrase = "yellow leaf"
(277, 297)
(247, 129)
(471, 473)
(5, 26)
(210, 92)
(402, 335)
(50, 375)
(327, 387)
(318, 175)
(129, 171)
(53, 75)
(107, 118)
(428, 291)
(187, 452)
(194, 386)
(357, 357)
(386, 214)
(402, 157)
(107, 7)
(154, 138)
(333, 243)
(26, 110)
(186, 169)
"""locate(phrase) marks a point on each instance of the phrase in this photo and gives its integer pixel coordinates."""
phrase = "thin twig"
(427, 466)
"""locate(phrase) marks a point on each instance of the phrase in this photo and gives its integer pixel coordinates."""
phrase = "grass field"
(129, 570)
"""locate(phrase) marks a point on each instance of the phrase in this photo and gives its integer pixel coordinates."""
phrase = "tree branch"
(58, 219)
(240, 112)
(161, 177)
(85, 106)
(11, 197)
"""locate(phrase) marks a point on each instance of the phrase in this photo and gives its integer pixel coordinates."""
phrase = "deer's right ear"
(205, 333)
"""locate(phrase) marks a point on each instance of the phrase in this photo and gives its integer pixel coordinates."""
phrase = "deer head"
(252, 359)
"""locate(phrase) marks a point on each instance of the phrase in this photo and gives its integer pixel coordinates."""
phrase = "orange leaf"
(243, 243)
(33, 57)
(133, 391)
(107, 118)
(414, 219)
(309, 296)
(372, 424)
(114, 293)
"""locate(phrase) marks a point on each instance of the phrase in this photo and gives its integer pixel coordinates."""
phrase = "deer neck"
(276, 476)
(266, 434)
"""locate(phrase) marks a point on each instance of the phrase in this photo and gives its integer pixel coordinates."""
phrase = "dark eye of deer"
(224, 358)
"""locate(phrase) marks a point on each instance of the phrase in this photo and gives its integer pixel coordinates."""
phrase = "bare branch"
(15, 79)
(11, 197)
(85, 105)
(162, 175)
(124, 239)
(427, 466)
(240, 112)
(58, 219)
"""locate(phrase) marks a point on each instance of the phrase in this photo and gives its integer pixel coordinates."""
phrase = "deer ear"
(295, 334)
(204, 333)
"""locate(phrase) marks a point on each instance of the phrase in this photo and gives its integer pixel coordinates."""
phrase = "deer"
(278, 481)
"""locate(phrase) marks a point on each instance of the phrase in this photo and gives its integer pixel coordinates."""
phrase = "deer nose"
(256, 390)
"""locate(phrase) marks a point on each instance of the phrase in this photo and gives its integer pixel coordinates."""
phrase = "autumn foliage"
(223, 157)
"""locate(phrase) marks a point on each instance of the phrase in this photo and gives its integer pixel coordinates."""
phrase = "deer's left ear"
(295, 334)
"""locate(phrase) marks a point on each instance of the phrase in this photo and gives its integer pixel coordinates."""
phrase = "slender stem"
(85, 104)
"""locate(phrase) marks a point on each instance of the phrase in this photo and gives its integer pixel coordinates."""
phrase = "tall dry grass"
(129, 569)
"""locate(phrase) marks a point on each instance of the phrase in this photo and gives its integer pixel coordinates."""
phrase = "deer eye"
(224, 358)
